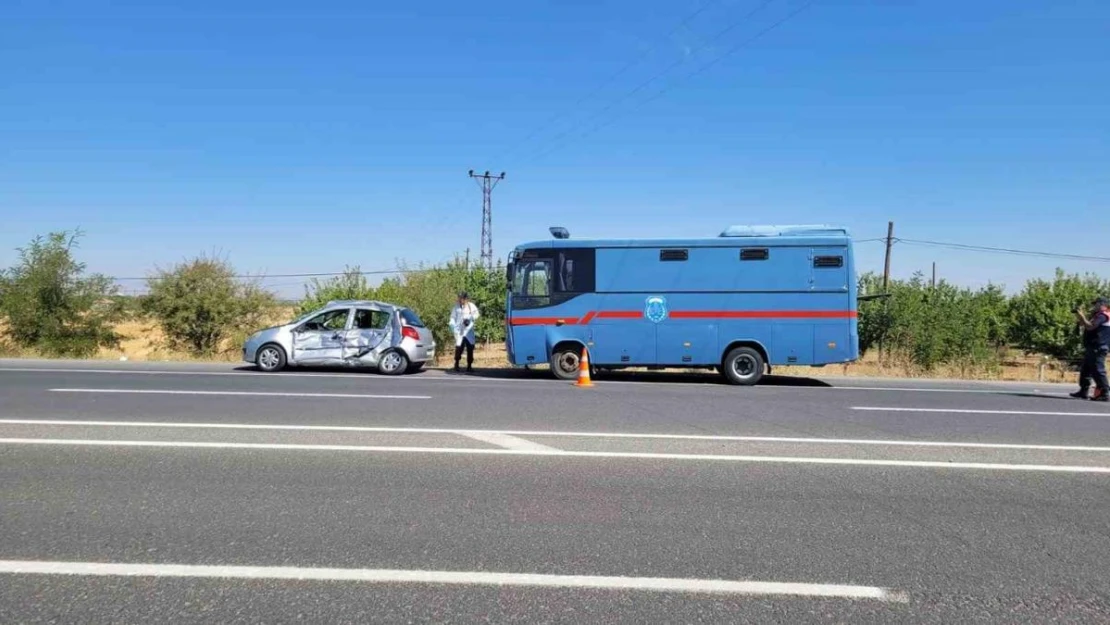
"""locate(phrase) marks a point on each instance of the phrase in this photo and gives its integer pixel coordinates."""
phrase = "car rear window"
(411, 318)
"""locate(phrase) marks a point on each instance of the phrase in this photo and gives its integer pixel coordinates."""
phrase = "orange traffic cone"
(584, 370)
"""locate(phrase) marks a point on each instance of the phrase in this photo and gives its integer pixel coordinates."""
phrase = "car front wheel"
(270, 358)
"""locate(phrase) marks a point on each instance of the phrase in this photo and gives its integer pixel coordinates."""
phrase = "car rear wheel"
(565, 363)
(393, 362)
(270, 358)
(744, 366)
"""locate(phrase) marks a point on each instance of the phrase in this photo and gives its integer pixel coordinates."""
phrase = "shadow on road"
(1059, 398)
(646, 377)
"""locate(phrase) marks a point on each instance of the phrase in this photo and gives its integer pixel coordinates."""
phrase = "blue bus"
(739, 303)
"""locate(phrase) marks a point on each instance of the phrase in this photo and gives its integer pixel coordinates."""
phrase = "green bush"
(433, 291)
(201, 303)
(926, 326)
(430, 291)
(1043, 317)
(352, 284)
(50, 305)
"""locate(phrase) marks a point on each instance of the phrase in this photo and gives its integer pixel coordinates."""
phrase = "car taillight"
(410, 332)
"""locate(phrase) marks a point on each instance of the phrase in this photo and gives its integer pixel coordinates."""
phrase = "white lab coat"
(459, 314)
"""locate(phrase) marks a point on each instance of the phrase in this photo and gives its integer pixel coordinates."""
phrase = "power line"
(640, 87)
(685, 21)
(1004, 250)
(265, 276)
(670, 87)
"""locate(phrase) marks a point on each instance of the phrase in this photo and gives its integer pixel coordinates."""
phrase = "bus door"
(530, 295)
(831, 285)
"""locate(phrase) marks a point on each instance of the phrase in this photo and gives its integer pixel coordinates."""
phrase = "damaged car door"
(369, 333)
(319, 340)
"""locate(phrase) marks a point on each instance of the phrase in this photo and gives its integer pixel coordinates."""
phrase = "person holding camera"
(1096, 343)
(463, 317)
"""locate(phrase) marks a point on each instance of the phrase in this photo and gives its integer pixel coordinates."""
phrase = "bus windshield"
(532, 278)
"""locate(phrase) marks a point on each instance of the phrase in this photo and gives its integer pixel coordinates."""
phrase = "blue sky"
(299, 137)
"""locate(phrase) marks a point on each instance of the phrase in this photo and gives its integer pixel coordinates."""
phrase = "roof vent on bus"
(559, 232)
(779, 231)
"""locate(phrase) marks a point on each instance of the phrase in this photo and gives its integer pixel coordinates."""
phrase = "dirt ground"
(143, 340)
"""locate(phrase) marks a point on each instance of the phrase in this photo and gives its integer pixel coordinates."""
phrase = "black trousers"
(1094, 367)
(469, 347)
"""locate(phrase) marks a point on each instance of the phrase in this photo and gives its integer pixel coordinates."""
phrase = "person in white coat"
(463, 318)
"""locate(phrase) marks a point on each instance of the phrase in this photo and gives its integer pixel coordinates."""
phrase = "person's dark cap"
(464, 295)
(1101, 301)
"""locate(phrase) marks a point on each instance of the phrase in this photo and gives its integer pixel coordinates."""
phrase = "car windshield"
(305, 317)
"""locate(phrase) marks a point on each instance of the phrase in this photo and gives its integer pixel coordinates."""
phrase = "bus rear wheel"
(744, 366)
(565, 363)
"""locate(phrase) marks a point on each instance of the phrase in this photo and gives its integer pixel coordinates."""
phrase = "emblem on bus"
(655, 309)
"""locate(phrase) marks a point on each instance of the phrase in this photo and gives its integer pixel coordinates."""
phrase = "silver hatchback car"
(352, 333)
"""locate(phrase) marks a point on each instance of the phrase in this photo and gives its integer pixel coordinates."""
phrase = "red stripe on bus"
(620, 314)
(543, 321)
(688, 314)
(763, 314)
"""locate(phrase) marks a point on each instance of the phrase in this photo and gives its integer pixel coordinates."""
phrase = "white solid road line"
(122, 391)
(1036, 413)
(551, 434)
(507, 441)
(470, 578)
(558, 453)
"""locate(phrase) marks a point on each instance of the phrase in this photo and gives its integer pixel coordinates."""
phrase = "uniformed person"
(1096, 343)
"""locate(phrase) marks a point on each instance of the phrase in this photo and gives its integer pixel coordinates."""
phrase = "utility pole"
(889, 244)
(934, 275)
(886, 280)
(467, 265)
(487, 184)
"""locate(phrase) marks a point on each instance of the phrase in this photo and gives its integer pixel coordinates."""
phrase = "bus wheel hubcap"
(744, 366)
(569, 362)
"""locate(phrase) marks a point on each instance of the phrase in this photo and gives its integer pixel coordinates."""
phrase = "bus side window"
(575, 271)
(828, 261)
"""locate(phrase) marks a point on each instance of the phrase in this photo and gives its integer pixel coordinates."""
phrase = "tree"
(352, 284)
(52, 306)
(200, 303)
(430, 291)
(1043, 314)
(925, 326)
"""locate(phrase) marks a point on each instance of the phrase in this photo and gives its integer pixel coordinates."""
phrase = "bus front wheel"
(744, 366)
(565, 362)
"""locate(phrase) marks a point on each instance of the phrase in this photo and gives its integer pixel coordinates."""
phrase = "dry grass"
(142, 340)
(1015, 368)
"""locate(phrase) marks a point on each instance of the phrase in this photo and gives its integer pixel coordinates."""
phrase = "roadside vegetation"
(199, 309)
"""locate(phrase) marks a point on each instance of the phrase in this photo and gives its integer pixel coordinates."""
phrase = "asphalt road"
(135, 493)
